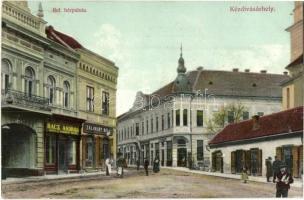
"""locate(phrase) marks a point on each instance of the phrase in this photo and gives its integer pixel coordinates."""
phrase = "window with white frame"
(51, 89)
(29, 81)
(66, 94)
(90, 99)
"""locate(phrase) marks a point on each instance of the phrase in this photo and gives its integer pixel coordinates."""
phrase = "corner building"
(171, 122)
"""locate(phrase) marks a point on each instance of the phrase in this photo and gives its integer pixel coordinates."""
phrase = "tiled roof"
(230, 83)
(288, 121)
(62, 38)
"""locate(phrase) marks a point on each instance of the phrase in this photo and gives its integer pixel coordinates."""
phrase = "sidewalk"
(10, 180)
(297, 182)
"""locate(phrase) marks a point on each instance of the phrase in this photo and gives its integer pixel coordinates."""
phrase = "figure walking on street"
(283, 180)
(244, 175)
(276, 165)
(108, 166)
(156, 164)
(146, 165)
(138, 164)
(120, 164)
(269, 172)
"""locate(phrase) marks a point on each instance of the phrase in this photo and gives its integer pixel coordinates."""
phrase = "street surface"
(166, 184)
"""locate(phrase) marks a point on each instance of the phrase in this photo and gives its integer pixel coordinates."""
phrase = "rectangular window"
(245, 115)
(6, 81)
(90, 99)
(199, 117)
(66, 99)
(30, 87)
(162, 122)
(260, 114)
(142, 128)
(50, 149)
(177, 120)
(230, 117)
(105, 103)
(200, 150)
(151, 125)
(137, 129)
(51, 92)
(156, 124)
(147, 126)
(72, 152)
(169, 120)
(169, 153)
(185, 117)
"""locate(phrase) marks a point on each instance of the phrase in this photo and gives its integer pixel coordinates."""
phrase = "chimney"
(199, 68)
(256, 123)
(263, 71)
(285, 73)
(235, 69)
(247, 70)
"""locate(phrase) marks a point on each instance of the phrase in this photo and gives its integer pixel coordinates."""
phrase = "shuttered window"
(260, 162)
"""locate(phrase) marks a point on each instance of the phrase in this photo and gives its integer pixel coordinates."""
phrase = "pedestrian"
(138, 164)
(276, 165)
(283, 179)
(156, 164)
(190, 162)
(120, 165)
(269, 172)
(244, 175)
(108, 166)
(146, 165)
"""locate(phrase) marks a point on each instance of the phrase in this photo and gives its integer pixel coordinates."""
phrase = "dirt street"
(166, 184)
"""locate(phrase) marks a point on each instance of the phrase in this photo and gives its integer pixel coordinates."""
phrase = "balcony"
(14, 98)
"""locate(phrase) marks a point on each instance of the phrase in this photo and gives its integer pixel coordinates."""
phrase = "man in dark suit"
(283, 180)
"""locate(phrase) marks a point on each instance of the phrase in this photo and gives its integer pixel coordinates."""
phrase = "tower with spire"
(181, 83)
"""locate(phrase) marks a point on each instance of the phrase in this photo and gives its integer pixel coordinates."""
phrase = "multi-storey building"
(23, 104)
(45, 75)
(96, 85)
(293, 89)
(171, 123)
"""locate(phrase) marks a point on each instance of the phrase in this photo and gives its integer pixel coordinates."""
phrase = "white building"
(171, 122)
(249, 143)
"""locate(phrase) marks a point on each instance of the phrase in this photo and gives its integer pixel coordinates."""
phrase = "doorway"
(62, 164)
(182, 157)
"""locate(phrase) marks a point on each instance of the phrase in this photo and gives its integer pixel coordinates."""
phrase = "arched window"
(51, 89)
(29, 81)
(66, 94)
(5, 73)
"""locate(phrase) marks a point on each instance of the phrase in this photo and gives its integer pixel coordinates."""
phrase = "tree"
(232, 112)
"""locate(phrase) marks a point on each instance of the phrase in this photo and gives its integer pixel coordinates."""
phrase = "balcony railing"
(18, 98)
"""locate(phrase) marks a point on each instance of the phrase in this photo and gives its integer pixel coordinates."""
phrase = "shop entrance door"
(62, 165)
(182, 157)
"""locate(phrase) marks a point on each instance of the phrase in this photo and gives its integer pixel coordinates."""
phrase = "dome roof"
(181, 83)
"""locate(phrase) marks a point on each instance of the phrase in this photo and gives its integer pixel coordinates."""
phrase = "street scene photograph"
(152, 99)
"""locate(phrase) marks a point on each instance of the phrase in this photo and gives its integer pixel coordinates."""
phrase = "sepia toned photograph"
(151, 99)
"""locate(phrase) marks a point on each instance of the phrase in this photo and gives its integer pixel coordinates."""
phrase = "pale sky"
(143, 38)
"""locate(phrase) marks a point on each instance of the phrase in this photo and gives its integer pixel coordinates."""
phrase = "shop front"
(96, 145)
(62, 140)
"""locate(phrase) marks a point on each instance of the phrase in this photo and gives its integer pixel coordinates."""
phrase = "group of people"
(278, 170)
(121, 164)
(156, 164)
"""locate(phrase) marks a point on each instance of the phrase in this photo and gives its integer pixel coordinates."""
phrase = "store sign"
(96, 129)
(62, 128)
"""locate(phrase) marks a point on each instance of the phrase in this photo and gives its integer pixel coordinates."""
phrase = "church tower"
(181, 83)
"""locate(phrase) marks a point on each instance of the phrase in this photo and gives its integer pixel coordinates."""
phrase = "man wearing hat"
(283, 180)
